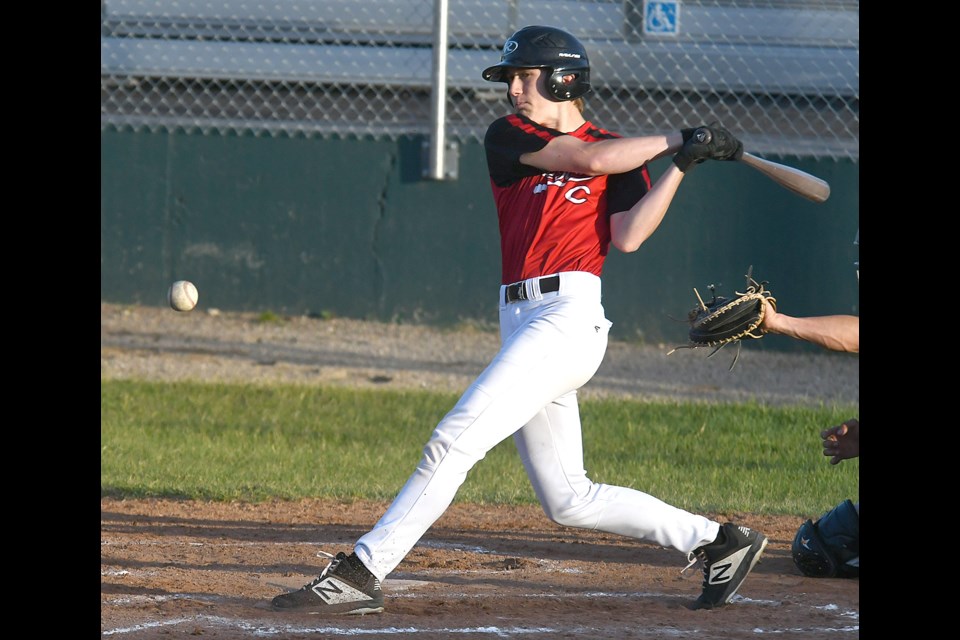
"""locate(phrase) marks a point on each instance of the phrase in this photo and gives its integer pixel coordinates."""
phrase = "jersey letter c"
(569, 195)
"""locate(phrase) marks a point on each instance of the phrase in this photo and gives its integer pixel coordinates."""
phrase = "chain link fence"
(783, 74)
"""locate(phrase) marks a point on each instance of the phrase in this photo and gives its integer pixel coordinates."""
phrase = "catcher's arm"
(837, 332)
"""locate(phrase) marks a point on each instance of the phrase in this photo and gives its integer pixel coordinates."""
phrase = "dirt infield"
(182, 569)
(173, 569)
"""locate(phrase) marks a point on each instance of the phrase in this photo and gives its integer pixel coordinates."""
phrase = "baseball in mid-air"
(183, 295)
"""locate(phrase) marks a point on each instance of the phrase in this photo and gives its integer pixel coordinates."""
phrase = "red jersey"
(555, 221)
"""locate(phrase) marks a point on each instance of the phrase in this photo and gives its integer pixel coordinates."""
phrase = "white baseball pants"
(551, 345)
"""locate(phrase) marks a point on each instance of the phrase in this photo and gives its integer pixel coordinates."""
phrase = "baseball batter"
(565, 190)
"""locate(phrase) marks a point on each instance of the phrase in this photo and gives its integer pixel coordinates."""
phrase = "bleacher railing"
(783, 74)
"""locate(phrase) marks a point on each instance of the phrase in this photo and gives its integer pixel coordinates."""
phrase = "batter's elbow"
(625, 246)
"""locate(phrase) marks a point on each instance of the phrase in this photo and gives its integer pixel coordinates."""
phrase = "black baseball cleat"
(726, 562)
(345, 587)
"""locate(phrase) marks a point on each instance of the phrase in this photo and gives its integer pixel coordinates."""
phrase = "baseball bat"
(800, 182)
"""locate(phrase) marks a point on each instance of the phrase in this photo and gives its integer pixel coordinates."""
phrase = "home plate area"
(184, 569)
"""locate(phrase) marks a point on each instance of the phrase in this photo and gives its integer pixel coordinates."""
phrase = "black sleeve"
(624, 189)
(507, 139)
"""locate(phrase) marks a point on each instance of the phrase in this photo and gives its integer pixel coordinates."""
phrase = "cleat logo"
(327, 590)
(719, 573)
(335, 592)
(727, 570)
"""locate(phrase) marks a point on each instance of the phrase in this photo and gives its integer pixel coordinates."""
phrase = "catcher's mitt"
(724, 320)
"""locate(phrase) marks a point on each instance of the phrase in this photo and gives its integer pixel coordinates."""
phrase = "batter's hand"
(724, 145)
(842, 442)
(695, 149)
(711, 142)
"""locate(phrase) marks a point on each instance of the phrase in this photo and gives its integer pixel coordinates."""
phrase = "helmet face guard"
(551, 49)
(829, 547)
(810, 554)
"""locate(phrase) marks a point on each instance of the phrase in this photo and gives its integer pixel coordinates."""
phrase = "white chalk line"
(256, 629)
(273, 630)
(401, 591)
(260, 630)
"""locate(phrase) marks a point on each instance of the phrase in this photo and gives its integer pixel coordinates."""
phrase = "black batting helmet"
(548, 48)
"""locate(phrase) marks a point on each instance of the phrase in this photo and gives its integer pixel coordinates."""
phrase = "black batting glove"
(696, 148)
(724, 145)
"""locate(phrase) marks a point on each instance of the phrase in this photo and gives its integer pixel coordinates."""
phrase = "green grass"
(254, 443)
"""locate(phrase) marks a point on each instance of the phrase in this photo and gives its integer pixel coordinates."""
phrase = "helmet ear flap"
(568, 84)
(559, 85)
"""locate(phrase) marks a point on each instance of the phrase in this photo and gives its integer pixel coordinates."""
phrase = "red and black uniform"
(552, 222)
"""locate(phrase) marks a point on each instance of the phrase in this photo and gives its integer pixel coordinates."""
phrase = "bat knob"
(703, 135)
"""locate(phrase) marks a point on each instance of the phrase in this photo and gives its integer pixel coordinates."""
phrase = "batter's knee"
(575, 513)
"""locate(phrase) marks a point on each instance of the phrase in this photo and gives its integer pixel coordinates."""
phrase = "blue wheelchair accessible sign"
(661, 18)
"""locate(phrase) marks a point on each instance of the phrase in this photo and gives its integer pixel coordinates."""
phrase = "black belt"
(518, 290)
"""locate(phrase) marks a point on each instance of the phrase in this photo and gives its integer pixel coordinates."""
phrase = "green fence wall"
(348, 227)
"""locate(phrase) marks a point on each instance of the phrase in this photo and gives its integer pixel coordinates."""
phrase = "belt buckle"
(521, 290)
(516, 292)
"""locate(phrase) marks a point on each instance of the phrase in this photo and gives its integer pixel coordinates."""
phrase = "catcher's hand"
(724, 320)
